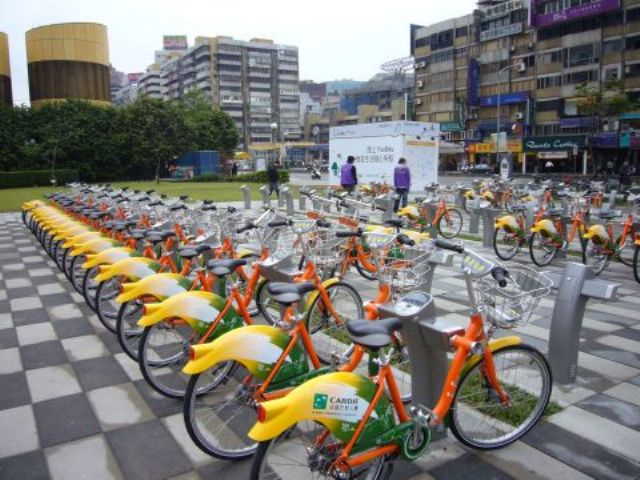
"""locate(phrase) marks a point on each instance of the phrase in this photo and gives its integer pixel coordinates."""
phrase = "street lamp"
(520, 66)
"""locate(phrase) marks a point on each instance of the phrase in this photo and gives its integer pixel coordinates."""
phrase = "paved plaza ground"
(73, 406)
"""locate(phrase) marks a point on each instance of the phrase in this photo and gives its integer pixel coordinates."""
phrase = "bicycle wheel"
(625, 254)
(450, 226)
(478, 417)
(270, 310)
(163, 352)
(542, 249)
(219, 419)
(296, 454)
(90, 286)
(595, 256)
(506, 244)
(58, 254)
(127, 329)
(106, 305)
(328, 333)
(636, 263)
(76, 274)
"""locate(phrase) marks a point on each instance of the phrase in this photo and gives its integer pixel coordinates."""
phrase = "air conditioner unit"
(418, 101)
(420, 83)
(519, 115)
(423, 64)
(513, 48)
(627, 69)
(530, 46)
(522, 67)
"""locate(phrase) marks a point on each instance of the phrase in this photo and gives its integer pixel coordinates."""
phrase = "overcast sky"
(336, 39)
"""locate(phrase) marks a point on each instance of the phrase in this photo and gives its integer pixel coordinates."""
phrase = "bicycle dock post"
(288, 201)
(428, 341)
(529, 217)
(474, 216)
(459, 199)
(489, 216)
(388, 202)
(302, 200)
(440, 257)
(246, 195)
(576, 285)
(283, 189)
(431, 209)
(266, 198)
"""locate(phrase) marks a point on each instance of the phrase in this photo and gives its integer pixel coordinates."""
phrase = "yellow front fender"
(109, 256)
(160, 286)
(133, 269)
(95, 245)
(80, 238)
(192, 307)
(494, 345)
(544, 225)
(315, 293)
(507, 222)
(71, 231)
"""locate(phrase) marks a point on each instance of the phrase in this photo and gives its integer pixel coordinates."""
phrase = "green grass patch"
(11, 199)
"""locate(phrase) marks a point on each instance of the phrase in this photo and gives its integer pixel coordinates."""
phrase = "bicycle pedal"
(422, 415)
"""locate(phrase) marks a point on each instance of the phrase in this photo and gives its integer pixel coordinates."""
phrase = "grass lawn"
(12, 198)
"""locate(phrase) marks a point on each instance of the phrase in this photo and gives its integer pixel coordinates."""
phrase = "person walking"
(348, 175)
(402, 183)
(548, 167)
(234, 169)
(272, 177)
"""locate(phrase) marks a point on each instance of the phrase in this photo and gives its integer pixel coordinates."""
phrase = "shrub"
(36, 178)
(257, 177)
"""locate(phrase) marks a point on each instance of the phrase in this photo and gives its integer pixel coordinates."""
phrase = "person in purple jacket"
(348, 175)
(402, 183)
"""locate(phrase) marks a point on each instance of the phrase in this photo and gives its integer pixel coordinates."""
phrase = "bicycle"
(343, 425)
(448, 220)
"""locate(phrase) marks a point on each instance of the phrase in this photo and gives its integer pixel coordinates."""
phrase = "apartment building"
(524, 60)
(255, 82)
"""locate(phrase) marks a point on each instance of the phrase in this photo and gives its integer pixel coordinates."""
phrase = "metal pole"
(498, 122)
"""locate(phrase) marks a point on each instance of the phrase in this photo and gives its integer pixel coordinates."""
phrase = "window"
(611, 72)
(554, 105)
(423, 42)
(580, 55)
(461, 53)
(549, 57)
(462, 32)
(633, 14)
(632, 70)
(611, 46)
(633, 43)
(549, 82)
(580, 77)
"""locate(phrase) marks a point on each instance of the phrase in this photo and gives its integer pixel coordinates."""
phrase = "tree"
(598, 103)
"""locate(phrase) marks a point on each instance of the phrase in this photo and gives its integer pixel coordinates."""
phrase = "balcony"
(549, 68)
(203, 74)
(288, 78)
(259, 85)
(631, 55)
(254, 73)
(284, 66)
(548, 44)
(226, 61)
(632, 82)
(227, 83)
(546, 116)
(548, 92)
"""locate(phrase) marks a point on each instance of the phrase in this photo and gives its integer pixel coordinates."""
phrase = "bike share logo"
(320, 401)
(334, 404)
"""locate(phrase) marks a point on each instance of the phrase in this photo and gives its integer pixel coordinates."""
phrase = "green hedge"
(36, 178)
(257, 177)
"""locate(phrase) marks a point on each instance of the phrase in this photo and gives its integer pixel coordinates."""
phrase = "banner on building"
(473, 82)
(541, 19)
(174, 42)
(553, 143)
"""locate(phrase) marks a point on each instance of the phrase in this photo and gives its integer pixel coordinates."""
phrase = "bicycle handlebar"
(500, 274)
(447, 245)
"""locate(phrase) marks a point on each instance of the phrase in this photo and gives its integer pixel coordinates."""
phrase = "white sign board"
(377, 147)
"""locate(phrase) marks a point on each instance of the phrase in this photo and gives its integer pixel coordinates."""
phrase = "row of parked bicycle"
(544, 219)
(322, 389)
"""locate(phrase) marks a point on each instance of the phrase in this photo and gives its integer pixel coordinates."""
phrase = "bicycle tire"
(128, 332)
(77, 273)
(318, 322)
(636, 263)
(364, 273)
(506, 254)
(454, 222)
(490, 406)
(263, 469)
(625, 254)
(103, 297)
(594, 257)
(542, 261)
(270, 310)
(211, 410)
(89, 287)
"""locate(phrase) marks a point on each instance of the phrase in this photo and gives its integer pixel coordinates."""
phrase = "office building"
(68, 61)
(6, 96)
(526, 65)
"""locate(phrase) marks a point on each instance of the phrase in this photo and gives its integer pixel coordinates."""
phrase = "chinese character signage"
(541, 19)
(174, 42)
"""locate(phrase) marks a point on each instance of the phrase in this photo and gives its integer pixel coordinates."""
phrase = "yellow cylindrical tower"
(5, 71)
(68, 60)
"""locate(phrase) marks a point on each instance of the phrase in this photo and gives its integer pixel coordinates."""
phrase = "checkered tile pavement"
(72, 405)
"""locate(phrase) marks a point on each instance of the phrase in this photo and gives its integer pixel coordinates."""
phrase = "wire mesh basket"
(322, 247)
(512, 305)
(404, 268)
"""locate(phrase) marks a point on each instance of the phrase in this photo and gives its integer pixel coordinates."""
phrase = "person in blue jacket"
(348, 174)
(402, 183)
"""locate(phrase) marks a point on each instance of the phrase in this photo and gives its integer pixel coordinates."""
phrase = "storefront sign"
(553, 155)
(548, 144)
(505, 99)
(605, 140)
(630, 139)
(540, 19)
(513, 146)
(450, 127)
